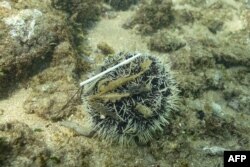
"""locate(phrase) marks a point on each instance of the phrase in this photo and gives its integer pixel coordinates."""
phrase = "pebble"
(214, 150)
(5, 4)
(217, 110)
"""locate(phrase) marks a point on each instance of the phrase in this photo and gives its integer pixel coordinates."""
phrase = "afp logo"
(236, 158)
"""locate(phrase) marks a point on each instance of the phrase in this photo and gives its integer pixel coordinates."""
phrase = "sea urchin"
(133, 102)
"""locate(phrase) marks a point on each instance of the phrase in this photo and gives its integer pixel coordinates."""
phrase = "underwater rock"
(215, 78)
(132, 103)
(52, 88)
(84, 12)
(121, 4)
(236, 89)
(19, 146)
(165, 42)
(214, 150)
(202, 58)
(240, 103)
(23, 147)
(190, 85)
(232, 55)
(154, 15)
(5, 4)
(216, 109)
(105, 48)
(81, 15)
(23, 24)
(196, 105)
(27, 42)
(215, 26)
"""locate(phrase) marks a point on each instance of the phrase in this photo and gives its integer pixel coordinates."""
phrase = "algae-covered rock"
(165, 42)
(215, 78)
(105, 48)
(236, 89)
(232, 54)
(55, 86)
(153, 16)
(81, 15)
(84, 12)
(215, 26)
(20, 146)
(121, 4)
(28, 38)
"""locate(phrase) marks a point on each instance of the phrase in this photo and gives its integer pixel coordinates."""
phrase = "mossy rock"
(165, 42)
(25, 51)
(105, 48)
(121, 4)
(84, 12)
(153, 16)
(20, 147)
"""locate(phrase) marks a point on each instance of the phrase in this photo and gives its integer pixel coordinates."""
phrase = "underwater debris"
(121, 113)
